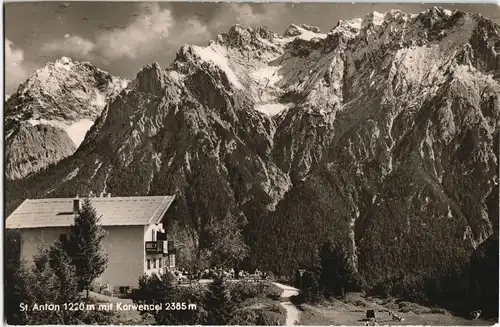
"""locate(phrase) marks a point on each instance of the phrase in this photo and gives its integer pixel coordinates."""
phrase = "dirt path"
(292, 313)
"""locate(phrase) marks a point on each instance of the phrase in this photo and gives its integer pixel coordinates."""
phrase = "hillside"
(381, 134)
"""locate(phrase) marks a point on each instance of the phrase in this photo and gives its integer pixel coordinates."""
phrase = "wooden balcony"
(160, 247)
(155, 247)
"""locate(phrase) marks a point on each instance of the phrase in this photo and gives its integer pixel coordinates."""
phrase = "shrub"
(194, 294)
(310, 286)
(243, 290)
(245, 317)
(268, 316)
(154, 289)
(438, 311)
(219, 303)
(276, 308)
(96, 317)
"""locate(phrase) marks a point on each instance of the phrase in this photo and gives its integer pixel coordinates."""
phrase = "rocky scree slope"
(381, 134)
(48, 116)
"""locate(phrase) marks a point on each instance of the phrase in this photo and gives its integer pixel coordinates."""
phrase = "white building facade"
(136, 242)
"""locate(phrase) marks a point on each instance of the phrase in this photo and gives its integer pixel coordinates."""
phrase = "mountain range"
(381, 134)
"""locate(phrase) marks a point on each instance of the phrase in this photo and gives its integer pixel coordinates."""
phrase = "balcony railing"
(155, 247)
(159, 247)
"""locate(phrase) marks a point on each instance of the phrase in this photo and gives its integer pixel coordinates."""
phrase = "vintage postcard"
(184, 163)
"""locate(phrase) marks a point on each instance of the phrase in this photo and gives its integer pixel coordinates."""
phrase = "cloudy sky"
(121, 37)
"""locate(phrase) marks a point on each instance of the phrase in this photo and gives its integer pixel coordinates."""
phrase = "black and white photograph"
(245, 163)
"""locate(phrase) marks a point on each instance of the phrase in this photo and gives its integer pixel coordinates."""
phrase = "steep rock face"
(381, 134)
(413, 155)
(36, 146)
(65, 95)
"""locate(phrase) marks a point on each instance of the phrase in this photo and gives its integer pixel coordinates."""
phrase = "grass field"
(352, 311)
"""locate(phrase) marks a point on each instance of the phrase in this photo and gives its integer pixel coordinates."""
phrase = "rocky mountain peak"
(85, 84)
(247, 38)
(151, 79)
(239, 36)
(60, 101)
(265, 33)
(295, 30)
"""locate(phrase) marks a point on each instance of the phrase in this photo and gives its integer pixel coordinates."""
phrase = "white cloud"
(15, 69)
(152, 30)
(71, 45)
(245, 15)
(141, 36)
(190, 31)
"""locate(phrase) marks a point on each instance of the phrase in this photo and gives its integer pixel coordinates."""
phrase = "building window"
(63, 238)
(171, 259)
(154, 263)
(148, 264)
(160, 262)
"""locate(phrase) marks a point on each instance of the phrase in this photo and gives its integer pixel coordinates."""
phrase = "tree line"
(462, 288)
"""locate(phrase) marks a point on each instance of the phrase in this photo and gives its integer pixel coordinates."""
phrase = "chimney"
(76, 206)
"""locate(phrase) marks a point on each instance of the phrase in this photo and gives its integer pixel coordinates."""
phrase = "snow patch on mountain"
(272, 109)
(308, 35)
(266, 79)
(217, 55)
(117, 85)
(304, 32)
(268, 76)
(176, 75)
(99, 164)
(64, 63)
(374, 18)
(100, 100)
(71, 175)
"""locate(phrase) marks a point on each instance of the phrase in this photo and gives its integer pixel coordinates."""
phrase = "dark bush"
(219, 303)
(154, 289)
(244, 290)
(310, 286)
(245, 317)
(96, 317)
(268, 316)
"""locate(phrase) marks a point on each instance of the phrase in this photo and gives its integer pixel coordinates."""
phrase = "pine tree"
(218, 303)
(64, 272)
(156, 289)
(52, 280)
(84, 246)
(15, 292)
(15, 281)
(153, 290)
(337, 274)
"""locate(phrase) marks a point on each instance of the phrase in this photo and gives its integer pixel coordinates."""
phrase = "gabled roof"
(117, 211)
